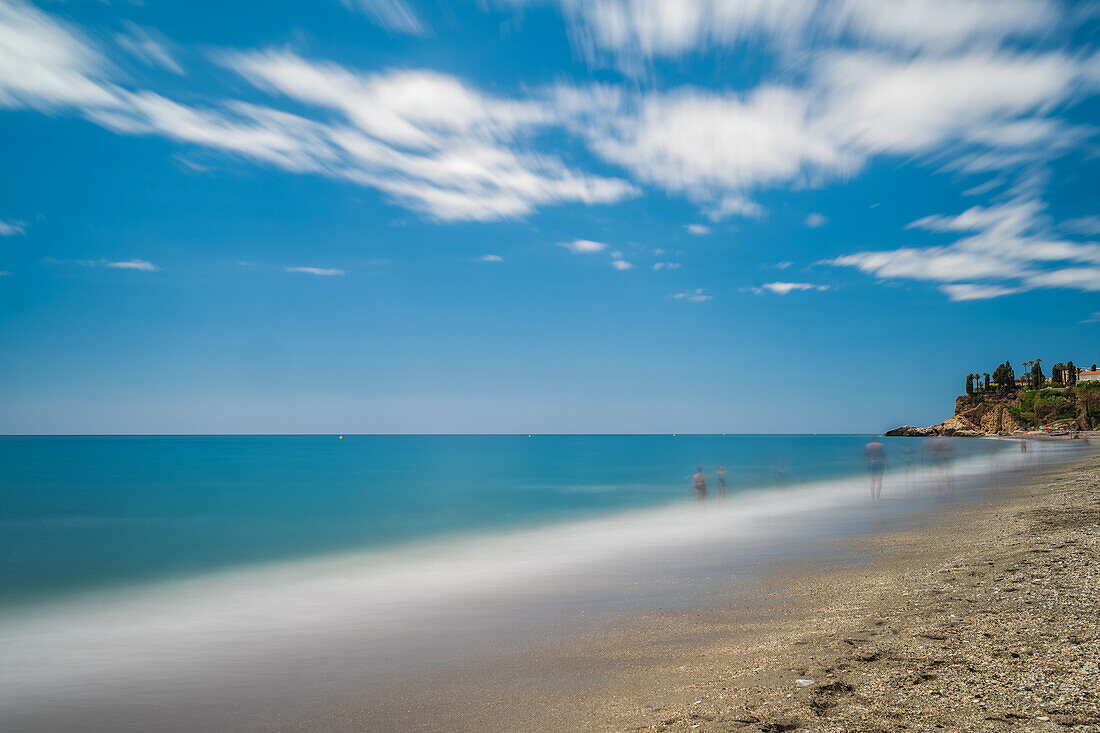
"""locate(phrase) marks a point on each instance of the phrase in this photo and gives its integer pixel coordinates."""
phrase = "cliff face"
(1003, 414)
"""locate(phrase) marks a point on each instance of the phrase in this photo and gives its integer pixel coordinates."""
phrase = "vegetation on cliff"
(999, 403)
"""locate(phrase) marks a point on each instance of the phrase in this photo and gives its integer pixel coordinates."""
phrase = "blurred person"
(938, 452)
(720, 476)
(699, 483)
(907, 458)
(875, 453)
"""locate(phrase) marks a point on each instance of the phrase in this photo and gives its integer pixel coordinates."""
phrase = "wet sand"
(984, 620)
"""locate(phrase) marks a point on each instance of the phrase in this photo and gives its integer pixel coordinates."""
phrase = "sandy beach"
(984, 620)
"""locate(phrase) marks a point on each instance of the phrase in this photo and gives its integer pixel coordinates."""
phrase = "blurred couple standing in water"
(699, 482)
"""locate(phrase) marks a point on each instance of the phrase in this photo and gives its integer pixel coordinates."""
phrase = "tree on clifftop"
(986, 381)
(1071, 374)
(1037, 376)
(970, 384)
(1005, 377)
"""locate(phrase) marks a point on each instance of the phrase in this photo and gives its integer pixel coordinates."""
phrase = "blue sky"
(539, 215)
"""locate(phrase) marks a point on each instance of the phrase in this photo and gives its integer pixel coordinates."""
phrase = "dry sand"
(984, 621)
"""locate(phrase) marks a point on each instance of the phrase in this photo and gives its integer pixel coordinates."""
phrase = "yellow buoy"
(341, 437)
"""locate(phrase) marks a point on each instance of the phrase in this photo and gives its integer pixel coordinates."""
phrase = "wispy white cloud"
(815, 220)
(633, 31)
(491, 258)
(877, 104)
(941, 25)
(693, 296)
(1094, 318)
(631, 34)
(11, 227)
(428, 140)
(972, 291)
(583, 246)
(958, 97)
(149, 46)
(699, 230)
(1006, 248)
(1073, 278)
(141, 265)
(394, 15)
(45, 65)
(425, 139)
(713, 147)
(785, 288)
(1086, 225)
(621, 264)
(666, 266)
(322, 271)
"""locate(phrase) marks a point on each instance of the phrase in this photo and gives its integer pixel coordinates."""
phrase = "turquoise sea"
(81, 513)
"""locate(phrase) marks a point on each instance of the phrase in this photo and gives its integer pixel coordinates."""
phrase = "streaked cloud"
(632, 34)
(785, 288)
(699, 230)
(1006, 248)
(621, 264)
(583, 246)
(11, 227)
(666, 266)
(970, 291)
(937, 81)
(149, 46)
(141, 265)
(715, 148)
(815, 220)
(490, 258)
(396, 16)
(1073, 278)
(426, 140)
(1086, 225)
(878, 104)
(693, 296)
(322, 271)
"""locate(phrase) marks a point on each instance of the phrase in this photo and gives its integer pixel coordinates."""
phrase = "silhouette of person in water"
(699, 483)
(721, 477)
(875, 453)
(938, 452)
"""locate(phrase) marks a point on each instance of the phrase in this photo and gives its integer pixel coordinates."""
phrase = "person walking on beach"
(875, 453)
(720, 475)
(699, 483)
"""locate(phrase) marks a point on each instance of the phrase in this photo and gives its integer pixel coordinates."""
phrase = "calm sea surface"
(84, 513)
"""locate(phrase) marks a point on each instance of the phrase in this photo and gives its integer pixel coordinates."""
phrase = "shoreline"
(983, 620)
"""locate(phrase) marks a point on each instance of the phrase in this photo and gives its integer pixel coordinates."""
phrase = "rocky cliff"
(1004, 414)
